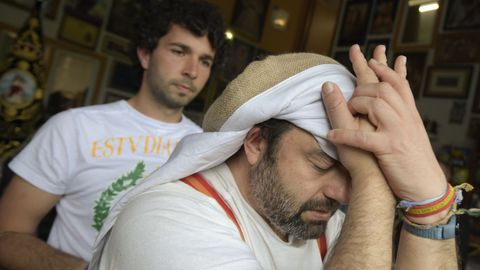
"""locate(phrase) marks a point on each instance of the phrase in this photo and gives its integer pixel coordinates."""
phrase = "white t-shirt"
(173, 226)
(91, 155)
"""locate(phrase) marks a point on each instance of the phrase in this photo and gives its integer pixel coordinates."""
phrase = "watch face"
(17, 88)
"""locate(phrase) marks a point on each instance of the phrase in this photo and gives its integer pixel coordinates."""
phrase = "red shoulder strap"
(199, 183)
(322, 245)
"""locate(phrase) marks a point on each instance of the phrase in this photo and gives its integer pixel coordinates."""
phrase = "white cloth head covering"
(286, 87)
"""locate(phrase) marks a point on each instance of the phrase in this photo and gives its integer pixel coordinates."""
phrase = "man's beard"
(160, 92)
(280, 208)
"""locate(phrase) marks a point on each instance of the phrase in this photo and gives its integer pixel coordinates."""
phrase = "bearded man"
(262, 187)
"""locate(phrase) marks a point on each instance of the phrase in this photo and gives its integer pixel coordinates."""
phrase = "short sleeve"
(46, 160)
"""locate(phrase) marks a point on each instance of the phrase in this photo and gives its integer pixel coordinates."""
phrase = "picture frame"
(416, 63)
(74, 78)
(462, 15)
(448, 81)
(460, 47)
(93, 12)
(384, 15)
(116, 23)
(79, 32)
(476, 100)
(49, 7)
(124, 76)
(417, 30)
(239, 55)
(248, 18)
(117, 47)
(354, 23)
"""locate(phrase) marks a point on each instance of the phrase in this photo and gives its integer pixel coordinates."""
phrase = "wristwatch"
(437, 232)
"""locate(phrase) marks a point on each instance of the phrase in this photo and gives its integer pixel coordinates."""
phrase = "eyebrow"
(188, 49)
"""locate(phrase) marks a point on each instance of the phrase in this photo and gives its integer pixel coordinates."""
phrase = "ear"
(254, 145)
(144, 57)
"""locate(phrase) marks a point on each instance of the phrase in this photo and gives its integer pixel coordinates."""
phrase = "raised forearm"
(366, 238)
(441, 253)
(412, 250)
(25, 251)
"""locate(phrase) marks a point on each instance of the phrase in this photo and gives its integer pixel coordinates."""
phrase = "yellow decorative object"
(21, 86)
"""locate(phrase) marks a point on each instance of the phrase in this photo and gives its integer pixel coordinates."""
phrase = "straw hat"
(258, 77)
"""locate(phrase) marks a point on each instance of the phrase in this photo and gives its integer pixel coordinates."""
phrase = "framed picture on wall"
(93, 11)
(354, 23)
(117, 47)
(416, 62)
(249, 17)
(79, 32)
(49, 7)
(462, 15)
(460, 47)
(384, 14)
(73, 78)
(448, 81)
(417, 29)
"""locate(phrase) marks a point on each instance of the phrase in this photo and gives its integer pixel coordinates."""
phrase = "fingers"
(384, 91)
(380, 54)
(360, 66)
(379, 113)
(399, 83)
(365, 140)
(335, 106)
(400, 66)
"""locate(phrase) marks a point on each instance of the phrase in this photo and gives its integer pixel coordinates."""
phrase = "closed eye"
(321, 168)
(320, 161)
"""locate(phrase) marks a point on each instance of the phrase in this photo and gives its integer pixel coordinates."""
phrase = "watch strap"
(437, 232)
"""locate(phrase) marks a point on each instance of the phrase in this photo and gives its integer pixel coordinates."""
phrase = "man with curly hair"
(82, 159)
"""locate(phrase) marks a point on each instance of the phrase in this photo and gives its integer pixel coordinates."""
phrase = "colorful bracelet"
(440, 203)
(444, 203)
(404, 204)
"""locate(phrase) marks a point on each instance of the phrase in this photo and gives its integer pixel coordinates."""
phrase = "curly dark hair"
(201, 18)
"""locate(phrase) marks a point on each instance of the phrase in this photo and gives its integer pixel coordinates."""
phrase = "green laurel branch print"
(124, 182)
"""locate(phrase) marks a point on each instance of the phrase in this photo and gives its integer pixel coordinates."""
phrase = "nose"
(339, 185)
(190, 68)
